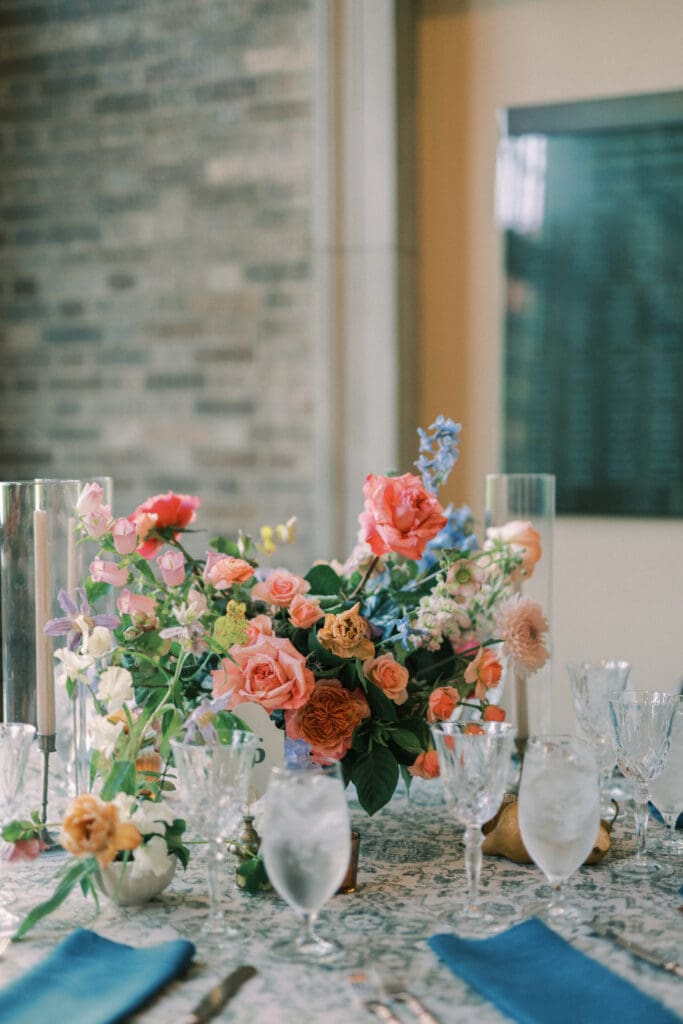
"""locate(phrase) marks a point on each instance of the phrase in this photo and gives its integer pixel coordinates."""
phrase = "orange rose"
(280, 587)
(270, 672)
(442, 702)
(346, 635)
(483, 672)
(328, 719)
(391, 677)
(472, 729)
(492, 713)
(523, 539)
(92, 828)
(426, 766)
(304, 612)
(229, 570)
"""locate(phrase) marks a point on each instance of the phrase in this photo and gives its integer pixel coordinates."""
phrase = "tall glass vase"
(515, 503)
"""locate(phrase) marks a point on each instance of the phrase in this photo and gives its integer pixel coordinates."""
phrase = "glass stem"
(215, 861)
(309, 927)
(556, 904)
(473, 857)
(640, 796)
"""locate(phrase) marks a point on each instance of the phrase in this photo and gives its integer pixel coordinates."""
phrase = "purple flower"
(202, 719)
(78, 622)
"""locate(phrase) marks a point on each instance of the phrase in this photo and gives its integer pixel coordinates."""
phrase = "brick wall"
(155, 277)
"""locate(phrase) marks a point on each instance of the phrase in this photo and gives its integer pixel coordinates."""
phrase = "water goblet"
(593, 683)
(642, 723)
(474, 767)
(306, 845)
(559, 813)
(213, 779)
(666, 790)
(15, 745)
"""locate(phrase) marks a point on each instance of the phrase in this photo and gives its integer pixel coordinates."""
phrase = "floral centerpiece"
(354, 659)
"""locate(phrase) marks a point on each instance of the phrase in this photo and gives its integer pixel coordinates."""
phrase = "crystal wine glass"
(642, 722)
(213, 780)
(593, 683)
(15, 745)
(474, 768)
(666, 791)
(306, 846)
(559, 812)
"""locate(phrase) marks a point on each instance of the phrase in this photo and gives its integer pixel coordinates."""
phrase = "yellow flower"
(231, 628)
(346, 635)
(92, 828)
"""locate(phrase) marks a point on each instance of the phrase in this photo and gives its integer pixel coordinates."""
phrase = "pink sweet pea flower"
(400, 515)
(280, 587)
(108, 572)
(23, 849)
(97, 522)
(89, 499)
(172, 565)
(135, 604)
(125, 536)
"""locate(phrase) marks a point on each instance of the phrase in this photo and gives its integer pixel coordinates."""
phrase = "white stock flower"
(115, 687)
(100, 642)
(104, 735)
(151, 856)
(75, 665)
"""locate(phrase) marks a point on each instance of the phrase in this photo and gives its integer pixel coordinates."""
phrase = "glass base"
(306, 950)
(481, 922)
(558, 914)
(218, 928)
(639, 866)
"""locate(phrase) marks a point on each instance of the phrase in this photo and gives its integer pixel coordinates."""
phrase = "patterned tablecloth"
(411, 870)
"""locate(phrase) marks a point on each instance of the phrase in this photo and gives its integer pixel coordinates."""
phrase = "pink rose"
(386, 673)
(135, 604)
(280, 587)
(228, 570)
(97, 523)
(442, 702)
(269, 672)
(108, 572)
(125, 536)
(426, 766)
(257, 627)
(90, 499)
(172, 565)
(304, 612)
(400, 515)
(523, 539)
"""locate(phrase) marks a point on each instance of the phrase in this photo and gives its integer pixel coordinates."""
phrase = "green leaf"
(144, 568)
(323, 580)
(375, 775)
(77, 874)
(94, 591)
(121, 779)
(406, 739)
(225, 546)
(15, 830)
(382, 708)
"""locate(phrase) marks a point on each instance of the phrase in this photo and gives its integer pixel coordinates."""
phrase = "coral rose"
(328, 719)
(483, 672)
(524, 541)
(269, 672)
(304, 612)
(520, 622)
(426, 766)
(493, 713)
(280, 587)
(228, 570)
(92, 828)
(172, 511)
(442, 703)
(386, 673)
(400, 515)
(346, 635)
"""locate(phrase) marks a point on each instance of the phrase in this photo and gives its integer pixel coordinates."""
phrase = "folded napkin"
(655, 814)
(90, 980)
(535, 977)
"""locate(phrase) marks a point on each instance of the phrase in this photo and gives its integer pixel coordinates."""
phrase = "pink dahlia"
(521, 624)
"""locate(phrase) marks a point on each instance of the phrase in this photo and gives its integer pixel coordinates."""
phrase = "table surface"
(411, 873)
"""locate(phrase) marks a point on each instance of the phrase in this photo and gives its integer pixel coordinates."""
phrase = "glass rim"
(644, 697)
(300, 771)
(452, 728)
(183, 743)
(24, 726)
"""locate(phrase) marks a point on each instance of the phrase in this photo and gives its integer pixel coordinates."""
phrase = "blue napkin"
(535, 977)
(655, 814)
(87, 979)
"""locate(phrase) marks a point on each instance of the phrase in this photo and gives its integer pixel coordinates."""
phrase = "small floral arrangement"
(355, 659)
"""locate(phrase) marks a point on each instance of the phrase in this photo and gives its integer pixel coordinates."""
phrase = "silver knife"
(637, 950)
(216, 998)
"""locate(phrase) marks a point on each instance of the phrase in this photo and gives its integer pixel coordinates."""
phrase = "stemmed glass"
(213, 780)
(666, 791)
(642, 723)
(559, 812)
(15, 745)
(474, 768)
(306, 846)
(593, 683)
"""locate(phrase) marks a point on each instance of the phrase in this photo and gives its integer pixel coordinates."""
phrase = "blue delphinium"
(458, 533)
(438, 452)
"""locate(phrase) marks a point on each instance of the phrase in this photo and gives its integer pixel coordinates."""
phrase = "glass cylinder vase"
(516, 503)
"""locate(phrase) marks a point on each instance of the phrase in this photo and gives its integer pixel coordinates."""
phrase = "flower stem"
(368, 573)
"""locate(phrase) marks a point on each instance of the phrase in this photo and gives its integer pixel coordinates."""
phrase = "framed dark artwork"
(589, 196)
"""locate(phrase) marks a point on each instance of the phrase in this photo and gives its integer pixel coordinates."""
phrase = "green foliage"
(375, 774)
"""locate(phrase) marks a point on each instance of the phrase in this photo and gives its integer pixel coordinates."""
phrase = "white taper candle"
(45, 680)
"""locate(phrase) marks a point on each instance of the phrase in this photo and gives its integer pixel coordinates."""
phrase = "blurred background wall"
(155, 250)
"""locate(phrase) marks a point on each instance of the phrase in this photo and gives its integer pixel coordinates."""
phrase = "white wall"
(618, 582)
